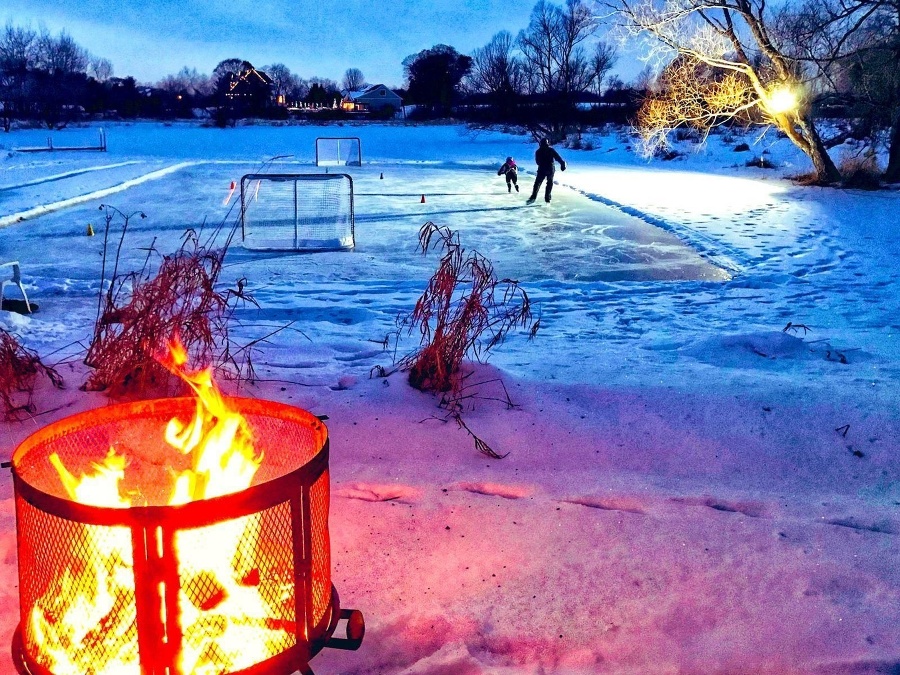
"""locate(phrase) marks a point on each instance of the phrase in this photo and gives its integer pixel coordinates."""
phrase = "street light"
(780, 99)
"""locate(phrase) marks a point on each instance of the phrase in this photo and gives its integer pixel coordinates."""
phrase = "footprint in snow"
(494, 489)
(372, 492)
(609, 503)
(884, 526)
(750, 509)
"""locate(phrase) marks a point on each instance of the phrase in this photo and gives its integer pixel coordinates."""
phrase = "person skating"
(544, 156)
(511, 171)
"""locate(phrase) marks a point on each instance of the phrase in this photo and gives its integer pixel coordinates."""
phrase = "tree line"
(790, 65)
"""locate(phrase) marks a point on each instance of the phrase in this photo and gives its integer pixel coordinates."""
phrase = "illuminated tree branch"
(723, 64)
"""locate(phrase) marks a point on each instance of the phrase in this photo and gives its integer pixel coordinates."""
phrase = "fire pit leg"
(355, 631)
(18, 652)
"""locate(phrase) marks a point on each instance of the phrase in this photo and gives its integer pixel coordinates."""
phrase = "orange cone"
(90, 230)
(423, 200)
(231, 187)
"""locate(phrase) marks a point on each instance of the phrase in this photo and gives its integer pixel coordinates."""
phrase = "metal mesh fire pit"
(238, 583)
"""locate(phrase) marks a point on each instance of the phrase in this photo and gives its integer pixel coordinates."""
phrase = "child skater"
(512, 174)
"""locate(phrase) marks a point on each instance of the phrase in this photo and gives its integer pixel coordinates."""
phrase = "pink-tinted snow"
(681, 493)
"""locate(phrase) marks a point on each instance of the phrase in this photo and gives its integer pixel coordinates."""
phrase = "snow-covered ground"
(682, 492)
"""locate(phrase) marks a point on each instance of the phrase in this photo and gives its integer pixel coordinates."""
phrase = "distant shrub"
(667, 154)
(741, 147)
(686, 134)
(860, 173)
(761, 162)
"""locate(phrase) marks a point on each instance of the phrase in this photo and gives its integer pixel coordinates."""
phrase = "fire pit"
(136, 557)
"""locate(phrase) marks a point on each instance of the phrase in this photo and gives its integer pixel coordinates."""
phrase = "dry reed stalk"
(464, 311)
(19, 370)
(142, 312)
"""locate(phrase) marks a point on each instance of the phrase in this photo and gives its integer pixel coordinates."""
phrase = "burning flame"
(85, 622)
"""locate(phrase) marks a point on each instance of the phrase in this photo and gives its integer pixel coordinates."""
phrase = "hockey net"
(297, 212)
(338, 152)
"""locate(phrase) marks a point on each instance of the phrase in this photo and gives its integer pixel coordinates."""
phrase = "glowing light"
(214, 590)
(780, 100)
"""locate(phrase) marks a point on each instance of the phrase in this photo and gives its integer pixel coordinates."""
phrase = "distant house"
(373, 98)
(252, 89)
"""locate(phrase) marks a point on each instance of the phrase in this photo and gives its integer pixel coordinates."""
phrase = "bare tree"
(354, 80)
(282, 80)
(854, 47)
(495, 69)
(645, 79)
(61, 55)
(691, 93)
(18, 48)
(195, 82)
(18, 55)
(228, 70)
(100, 69)
(736, 36)
(299, 89)
(551, 45)
(601, 61)
(60, 78)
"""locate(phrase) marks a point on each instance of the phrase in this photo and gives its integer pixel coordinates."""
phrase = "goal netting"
(338, 152)
(297, 212)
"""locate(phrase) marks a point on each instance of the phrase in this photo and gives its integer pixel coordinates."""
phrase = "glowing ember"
(225, 621)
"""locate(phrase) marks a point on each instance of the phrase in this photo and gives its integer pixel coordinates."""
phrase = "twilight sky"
(149, 39)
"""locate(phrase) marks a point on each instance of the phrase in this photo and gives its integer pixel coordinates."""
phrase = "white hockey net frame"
(338, 151)
(297, 212)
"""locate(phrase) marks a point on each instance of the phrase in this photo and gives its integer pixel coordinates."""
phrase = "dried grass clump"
(465, 310)
(860, 173)
(19, 371)
(141, 312)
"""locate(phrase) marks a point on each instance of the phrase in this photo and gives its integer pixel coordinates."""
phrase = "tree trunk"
(892, 173)
(826, 171)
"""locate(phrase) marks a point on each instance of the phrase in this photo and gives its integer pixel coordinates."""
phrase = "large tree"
(556, 65)
(284, 82)
(60, 79)
(495, 68)
(555, 60)
(354, 80)
(227, 71)
(433, 76)
(18, 56)
(854, 47)
(600, 61)
(735, 37)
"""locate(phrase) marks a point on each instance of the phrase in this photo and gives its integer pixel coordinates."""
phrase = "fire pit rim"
(185, 516)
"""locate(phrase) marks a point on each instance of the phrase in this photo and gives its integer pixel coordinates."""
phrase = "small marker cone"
(381, 177)
(422, 200)
(90, 230)
(231, 187)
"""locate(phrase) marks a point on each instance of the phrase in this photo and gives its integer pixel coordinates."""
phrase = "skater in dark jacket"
(544, 156)
(512, 174)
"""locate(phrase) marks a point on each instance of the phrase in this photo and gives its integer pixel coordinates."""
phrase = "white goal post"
(297, 212)
(345, 151)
